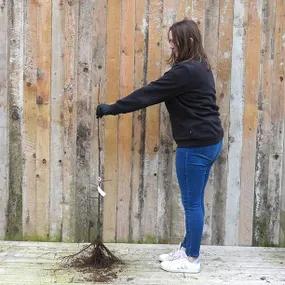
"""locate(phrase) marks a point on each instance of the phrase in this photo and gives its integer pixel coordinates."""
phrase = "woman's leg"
(180, 173)
(183, 244)
(195, 182)
(193, 167)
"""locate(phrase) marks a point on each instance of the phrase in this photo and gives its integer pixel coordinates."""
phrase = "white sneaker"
(179, 253)
(182, 265)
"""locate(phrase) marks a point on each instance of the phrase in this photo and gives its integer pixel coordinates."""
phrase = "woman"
(188, 90)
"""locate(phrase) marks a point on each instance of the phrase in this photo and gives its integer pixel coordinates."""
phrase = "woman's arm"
(171, 84)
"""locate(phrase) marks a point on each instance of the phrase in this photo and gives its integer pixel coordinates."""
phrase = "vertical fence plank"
(252, 58)
(43, 53)
(15, 91)
(97, 95)
(211, 47)
(111, 123)
(261, 213)
(236, 126)
(138, 120)
(281, 78)
(69, 116)
(125, 120)
(188, 8)
(30, 123)
(84, 120)
(277, 134)
(180, 7)
(57, 130)
(4, 144)
(149, 210)
(223, 83)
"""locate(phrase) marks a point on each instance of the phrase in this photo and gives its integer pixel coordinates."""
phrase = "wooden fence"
(59, 58)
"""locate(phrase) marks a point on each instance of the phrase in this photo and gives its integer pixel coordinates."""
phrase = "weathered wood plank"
(30, 123)
(125, 120)
(56, 124)
(236, 126)
(140, 46)
(180, 9)
(252, 57)
(188, 8)
(111, 123)
(43, 54)
(149, 210)
(36, 263)
(223, 82)
(97, 130)
(15, 91)
(277, 131)
(282, 76)
(70, 18)
(4, 141)
(261, 213)
(84, 120)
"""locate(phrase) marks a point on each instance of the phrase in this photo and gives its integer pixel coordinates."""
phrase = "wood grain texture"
(4, 141)
(43, 54)
(84, 120)
(125, 120)
(281, 78)
(236, 126)
(111, 123)
(152, 121)
(98, 93)
(37, 264)
(140, 46)
(261, 210)
(56, 124)
(69, 117)
(250, 114)
(15, 91)
(277, 131)
(30, 123)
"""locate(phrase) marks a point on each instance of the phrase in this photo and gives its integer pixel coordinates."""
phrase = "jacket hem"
(197, 143)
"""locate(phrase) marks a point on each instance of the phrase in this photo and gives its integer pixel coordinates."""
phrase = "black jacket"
(188, 90)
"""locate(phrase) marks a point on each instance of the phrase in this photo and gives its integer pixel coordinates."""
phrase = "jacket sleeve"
(171, 84)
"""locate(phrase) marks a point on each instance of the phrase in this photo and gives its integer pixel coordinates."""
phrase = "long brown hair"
(188, 41)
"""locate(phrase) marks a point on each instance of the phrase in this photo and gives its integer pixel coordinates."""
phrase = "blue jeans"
(193, 166)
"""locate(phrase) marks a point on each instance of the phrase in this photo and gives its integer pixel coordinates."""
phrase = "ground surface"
(35, 263)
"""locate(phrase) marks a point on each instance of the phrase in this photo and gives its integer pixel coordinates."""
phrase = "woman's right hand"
(103, 110)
